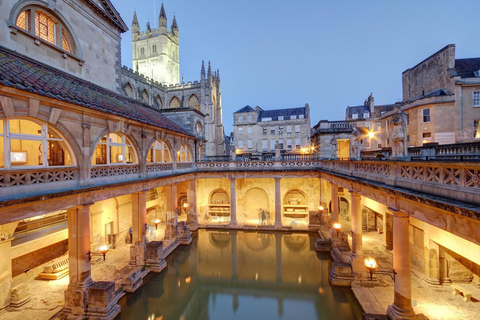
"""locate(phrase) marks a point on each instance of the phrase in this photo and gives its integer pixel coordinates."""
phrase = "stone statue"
(398, 126)
(333, 143)
(356, 145)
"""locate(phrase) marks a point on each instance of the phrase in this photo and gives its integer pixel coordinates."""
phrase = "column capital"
(354, 194)
(277, 178)
(397, 213)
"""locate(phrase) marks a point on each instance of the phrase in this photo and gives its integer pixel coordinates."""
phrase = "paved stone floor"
(434, 301)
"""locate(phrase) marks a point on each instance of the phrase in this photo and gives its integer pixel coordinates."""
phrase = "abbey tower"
(155, 52)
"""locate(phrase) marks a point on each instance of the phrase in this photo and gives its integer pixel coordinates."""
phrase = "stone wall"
(36, 258)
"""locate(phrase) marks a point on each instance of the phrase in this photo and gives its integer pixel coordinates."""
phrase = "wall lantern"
(156, 222)
(101, 250)
(337, 226)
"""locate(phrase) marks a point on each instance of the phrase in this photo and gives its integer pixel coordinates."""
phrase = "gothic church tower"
(155, 52)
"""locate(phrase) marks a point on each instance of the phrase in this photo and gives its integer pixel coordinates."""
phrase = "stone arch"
(157, 155)
(193, 102)
(254, 200)
(136, 148)
(129, 91)
(159, 101)
(184, 153)
(295, 197)
(145, 96)
(174, 103)
(66, 27)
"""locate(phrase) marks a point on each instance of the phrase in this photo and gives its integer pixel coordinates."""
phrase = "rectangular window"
(249, 144)
(476, 98)
(289, 144)
(272, 144)
(368, 144)
(272, 130)
(240, 144)
(408, 119)
(240, 131)
(289, 129)
(249, 118)
(264, 145)
(297, 144)
(476, 132)
(301, 116)
(426, 115)
(280, 144)
(280, 118)
(379, 146)
(293, 117)
(264, 131)
(267, 119)
(297, 128)
(249, 130)
(427, 135)
(280, 130)
(354, 115)
(240, 119)
(367, 125)
(379, 126)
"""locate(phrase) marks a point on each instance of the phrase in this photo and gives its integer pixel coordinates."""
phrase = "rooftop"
(22, 73)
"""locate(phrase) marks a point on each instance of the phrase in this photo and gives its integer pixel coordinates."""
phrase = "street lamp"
(372, 266)
(337, 226)
(156, 222)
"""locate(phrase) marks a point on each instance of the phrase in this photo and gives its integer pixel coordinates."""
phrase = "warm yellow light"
(304, 150)
(321, 208)
(185, 205)
(337, 226)
(156, 221)
(371, 263)
(371, 134)
(103, 249)
(188, 280)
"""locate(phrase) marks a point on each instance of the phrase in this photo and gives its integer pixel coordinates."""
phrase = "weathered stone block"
(75, 302)
(101, 300)
(20, 295)
(154, 256)
(130, 278)
(137, 254)
(184, 236)
(340, 275)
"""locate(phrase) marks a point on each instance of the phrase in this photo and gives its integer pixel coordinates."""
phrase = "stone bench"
(56, 269)
(468, 291)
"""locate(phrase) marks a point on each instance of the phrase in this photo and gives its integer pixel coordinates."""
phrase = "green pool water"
(243, 275)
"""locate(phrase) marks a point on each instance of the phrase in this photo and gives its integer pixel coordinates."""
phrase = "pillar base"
(102, 301)
(357, 263)
(278, 225)
(184, 236)
(432, 281)
(233, 224)
(131, 278)
(137, 254)
(340, 275)
(395, 312)
(155, 259)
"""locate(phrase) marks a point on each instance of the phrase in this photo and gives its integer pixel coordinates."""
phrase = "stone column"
(278, 204)
(432, 258)
(139, 217)
(78, 259)
(233, 203)
(192, 202)
(402, 303)
(139, 234)
(357, 245)
(334, 215)
(388, 229)
(5, 273)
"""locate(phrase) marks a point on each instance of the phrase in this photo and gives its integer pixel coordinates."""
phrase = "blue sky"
(330, 54)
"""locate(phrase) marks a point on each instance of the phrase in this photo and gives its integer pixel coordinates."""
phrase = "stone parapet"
(155, 259)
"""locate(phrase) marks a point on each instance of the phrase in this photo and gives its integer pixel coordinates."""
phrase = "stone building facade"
(263, 131)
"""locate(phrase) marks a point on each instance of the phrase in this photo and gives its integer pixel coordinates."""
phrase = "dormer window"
(355, 115)
(366, 115)
(44, 26)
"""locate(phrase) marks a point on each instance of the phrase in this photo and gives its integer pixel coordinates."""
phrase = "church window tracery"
(184, 154)
(193, 102)
(159, 152)
(174, 103)
(114, 148)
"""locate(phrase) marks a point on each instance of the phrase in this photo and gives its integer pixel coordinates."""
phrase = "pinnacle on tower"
(148, 27)
(162, 18)
(209, 73)
(174, 23)
(202, 73)
(218, 74)
(135, 19)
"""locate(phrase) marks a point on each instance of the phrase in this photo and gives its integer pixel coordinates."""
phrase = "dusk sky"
(330, 54)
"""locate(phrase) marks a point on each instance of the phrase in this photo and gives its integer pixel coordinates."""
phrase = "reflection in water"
(242, 275)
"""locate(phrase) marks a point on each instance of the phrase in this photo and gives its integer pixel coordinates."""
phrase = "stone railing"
(257, 165)
(27, 177)
(185, 165)
(458, 151)
(159, 167)
(113, 170)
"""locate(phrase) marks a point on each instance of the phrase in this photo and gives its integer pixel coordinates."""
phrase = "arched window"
(193, 102)
(31, 144)
(198, 128)
(159, 102)
(145, 97)
(159, 153)
(45, 26)
(174, 103)
(129, 90)
(114, 148)
(184, 154)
